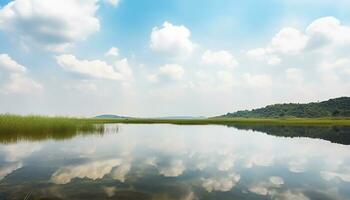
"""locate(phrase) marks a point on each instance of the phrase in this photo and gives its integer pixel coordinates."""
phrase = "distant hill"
(338, 107)
(110, 117)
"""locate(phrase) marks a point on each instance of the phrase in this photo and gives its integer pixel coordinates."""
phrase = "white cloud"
(172, 72)
(93, 170)
(110, 191)
(259, 189)
(328, 30)
(262, 54)
(16, 77)
(173, 40)
(274, 60)
(258, 53)
(113, 52)
(259, 160)
(290, 195)
(288, 40)
(19, 151)
(173, 169)
(329, 175)
(121, 171)
(276, 181)
(96, 68)
(8, 64)
(295, 75)
(226, 164)
(266, 187)
(257, 80)
(113, 2)
(221, 184)
(325, 31)
(219, 58)
(19, 83)
(298, 165)
(50, 23)
(9, 168)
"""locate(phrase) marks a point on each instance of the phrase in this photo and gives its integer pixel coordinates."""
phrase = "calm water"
(175, 162)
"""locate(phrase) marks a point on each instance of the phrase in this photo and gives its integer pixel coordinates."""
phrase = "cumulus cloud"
(8, 64)
(332, 70)
(288, 40)
(172, 40)
(274, 60)
(221, 184)
(322, 32)
(171, 72)
(259, 160)
(121, 171)
(50, 23)
(276, 181)
(266, 187)
(297, 165)
(17, 80)
(113, 2)
(257, 80)
(330, 175)
(172, 169)
(226, 164)
(327, 30)
(8, 169)
(17, 152)
(219, 58)
(110, 191)
(19, 83)
(92, 170)
(113, 52)
(96, 68)
(265, 55)
(290, 195)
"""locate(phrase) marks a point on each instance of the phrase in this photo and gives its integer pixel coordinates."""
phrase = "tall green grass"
(16, 127)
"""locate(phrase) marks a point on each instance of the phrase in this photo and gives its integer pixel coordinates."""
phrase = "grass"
(232, 121)
(16, 127)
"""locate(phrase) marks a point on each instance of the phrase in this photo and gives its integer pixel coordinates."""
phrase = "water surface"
(175, 162)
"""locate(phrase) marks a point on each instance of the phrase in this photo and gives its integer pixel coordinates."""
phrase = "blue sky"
(174, 57)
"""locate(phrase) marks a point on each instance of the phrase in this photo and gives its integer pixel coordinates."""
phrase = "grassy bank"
(229, 121)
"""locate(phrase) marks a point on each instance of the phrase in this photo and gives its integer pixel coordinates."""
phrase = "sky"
(153, 58)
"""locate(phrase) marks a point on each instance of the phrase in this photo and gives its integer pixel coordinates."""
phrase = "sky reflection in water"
(176, 162)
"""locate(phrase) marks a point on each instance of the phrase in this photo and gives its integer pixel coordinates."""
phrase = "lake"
(179, 162)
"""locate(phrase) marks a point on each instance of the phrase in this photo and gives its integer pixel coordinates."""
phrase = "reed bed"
(16, 127)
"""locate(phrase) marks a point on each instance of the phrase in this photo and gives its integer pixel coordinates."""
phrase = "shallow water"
(175, 162)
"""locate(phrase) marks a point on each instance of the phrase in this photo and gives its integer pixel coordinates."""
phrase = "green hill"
(338, 107)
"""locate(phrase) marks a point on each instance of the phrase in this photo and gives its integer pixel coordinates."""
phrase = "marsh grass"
(15, 127)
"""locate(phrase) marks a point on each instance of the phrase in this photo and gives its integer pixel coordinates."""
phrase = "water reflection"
(337, 134)
(14, 137)
(175, 162)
